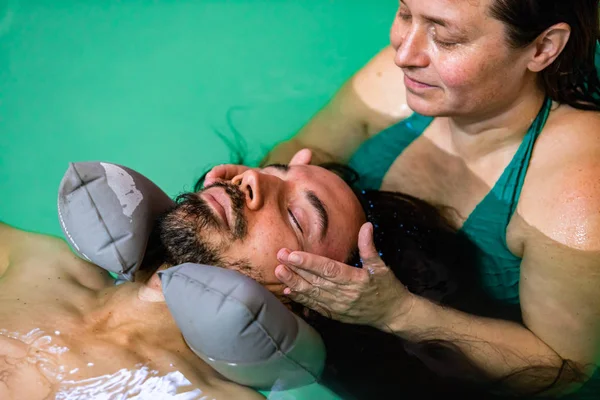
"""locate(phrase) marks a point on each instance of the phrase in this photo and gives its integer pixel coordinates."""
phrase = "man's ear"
(549, 45)
(302, 157)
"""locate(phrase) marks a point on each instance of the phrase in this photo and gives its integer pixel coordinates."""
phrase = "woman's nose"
(412, 51)
(252, 183)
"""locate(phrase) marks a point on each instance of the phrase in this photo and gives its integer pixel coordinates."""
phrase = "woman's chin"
(424, 106)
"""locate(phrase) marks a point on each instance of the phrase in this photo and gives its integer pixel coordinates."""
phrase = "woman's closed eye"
(443, 43)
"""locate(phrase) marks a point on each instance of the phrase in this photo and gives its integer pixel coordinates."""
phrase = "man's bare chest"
(46, 349)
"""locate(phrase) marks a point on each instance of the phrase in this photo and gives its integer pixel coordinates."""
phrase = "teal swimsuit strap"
(534, 132)
(375, 157)
(509, 185)
(486, 226)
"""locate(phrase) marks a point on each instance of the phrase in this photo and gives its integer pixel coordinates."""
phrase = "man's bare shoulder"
(14, 238)
(14, 244)
(41, 256)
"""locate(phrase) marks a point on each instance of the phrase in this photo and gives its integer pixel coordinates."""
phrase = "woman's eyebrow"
(445, 23)
(442, 22)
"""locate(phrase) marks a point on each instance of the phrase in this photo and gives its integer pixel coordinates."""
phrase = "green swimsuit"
(486, 226)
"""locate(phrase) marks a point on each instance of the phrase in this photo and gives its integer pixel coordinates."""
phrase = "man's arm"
(370, 101)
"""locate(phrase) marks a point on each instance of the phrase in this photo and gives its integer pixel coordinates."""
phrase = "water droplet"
(90, 364)
(57, 333)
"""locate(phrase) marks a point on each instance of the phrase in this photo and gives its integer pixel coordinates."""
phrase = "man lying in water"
(67, 330)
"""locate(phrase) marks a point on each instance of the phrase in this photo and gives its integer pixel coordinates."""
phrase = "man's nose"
(412, 52)
(253, 185)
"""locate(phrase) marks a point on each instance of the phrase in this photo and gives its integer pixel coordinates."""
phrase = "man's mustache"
(237, 197)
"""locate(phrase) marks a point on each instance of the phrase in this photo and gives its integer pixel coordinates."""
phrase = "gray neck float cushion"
(243, 331)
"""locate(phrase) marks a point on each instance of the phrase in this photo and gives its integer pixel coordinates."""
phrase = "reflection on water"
(40, 352)
(140, 383)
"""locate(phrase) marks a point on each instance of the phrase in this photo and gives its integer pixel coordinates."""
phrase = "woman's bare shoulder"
(570, 125)
(563, 180)
(570, 137)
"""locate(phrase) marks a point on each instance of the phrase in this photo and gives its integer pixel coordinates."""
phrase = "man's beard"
(181, 229)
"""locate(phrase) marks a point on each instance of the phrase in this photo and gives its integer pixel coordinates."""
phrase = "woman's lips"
(415, 85)
(219, 201)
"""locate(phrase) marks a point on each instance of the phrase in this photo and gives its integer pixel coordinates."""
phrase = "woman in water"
(488, 107)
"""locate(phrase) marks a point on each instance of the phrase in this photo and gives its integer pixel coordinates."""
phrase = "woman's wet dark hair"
(572, 78)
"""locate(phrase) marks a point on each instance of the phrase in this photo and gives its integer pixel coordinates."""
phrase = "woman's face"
(456, 58)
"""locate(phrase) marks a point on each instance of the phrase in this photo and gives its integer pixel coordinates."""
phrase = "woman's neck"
(496, 131)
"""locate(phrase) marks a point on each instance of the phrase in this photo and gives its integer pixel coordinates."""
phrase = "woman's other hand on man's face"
(370, 295)
(224, 172)
(227, 172)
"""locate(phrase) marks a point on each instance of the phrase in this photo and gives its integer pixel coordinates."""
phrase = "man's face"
(242, 224)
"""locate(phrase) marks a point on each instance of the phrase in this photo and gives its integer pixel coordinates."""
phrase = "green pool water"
(147, 84)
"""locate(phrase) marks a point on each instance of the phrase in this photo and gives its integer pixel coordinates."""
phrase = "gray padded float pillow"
(234, 324)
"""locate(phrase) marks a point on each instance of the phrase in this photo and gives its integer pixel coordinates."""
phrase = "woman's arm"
(557, 226)
(560, 277)
(370, 101)
(559, 342)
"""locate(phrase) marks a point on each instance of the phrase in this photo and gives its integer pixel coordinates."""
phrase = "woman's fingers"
(302, 157)
(292, 280)
(366, 247)
(297, 284)
(229, 171)
(312, 304)
(322, 267)
(311, 278)
(371, 295)
(371, 259)
(225, 172)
